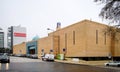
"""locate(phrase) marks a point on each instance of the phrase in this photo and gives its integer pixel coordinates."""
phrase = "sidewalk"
(95, 63)
(91, 63)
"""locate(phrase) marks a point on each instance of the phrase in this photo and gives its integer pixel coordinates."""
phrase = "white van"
(48, 57)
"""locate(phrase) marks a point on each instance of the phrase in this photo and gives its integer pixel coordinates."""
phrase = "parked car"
(113, 63)
(28, 55)
(34, 56)
(48, 57)
(4, 58)
(20, 55)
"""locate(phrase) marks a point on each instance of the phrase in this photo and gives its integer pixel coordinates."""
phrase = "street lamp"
(50, 29)
(51, 50)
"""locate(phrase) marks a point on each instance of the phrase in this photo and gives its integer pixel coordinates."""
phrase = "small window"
(96, 36)
(73, 37)
(65, 40)
(105, 38)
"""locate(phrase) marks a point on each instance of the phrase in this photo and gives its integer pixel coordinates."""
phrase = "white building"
(15, 35)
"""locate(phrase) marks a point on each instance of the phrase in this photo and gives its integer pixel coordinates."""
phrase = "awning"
(32, 48)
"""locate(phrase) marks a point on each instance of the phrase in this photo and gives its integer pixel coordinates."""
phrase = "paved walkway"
(23, 59)
(92, 63)
(96, 63)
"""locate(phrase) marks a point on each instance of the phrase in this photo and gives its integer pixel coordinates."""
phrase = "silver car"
(113, 63)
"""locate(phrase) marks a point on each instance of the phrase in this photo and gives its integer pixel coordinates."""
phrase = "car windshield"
(4, 56)
(114, 62)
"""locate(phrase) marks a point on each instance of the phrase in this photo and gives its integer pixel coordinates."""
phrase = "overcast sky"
(38, 15)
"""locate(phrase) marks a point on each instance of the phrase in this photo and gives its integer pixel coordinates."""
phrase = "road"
(19, 64)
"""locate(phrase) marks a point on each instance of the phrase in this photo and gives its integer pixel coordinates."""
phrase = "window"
(73, 37)
(96, 36)
(105, 38)
(65, 40)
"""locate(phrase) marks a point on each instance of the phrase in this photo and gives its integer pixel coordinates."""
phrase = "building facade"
(31, 47)
(85, 39)
(20, 49)
(15, 35)
(1, 38)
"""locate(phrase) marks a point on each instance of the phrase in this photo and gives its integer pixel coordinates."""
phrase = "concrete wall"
(98, 43)
(19, 48)
(117, 45)
(44, 43)
(73, 39)
(86, 39)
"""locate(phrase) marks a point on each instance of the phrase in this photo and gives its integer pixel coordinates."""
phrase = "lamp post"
(51, 50)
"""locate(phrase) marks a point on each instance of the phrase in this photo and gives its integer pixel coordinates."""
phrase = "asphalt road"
(35, 65)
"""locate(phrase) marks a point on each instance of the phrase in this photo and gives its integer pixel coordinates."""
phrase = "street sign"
(64, 49)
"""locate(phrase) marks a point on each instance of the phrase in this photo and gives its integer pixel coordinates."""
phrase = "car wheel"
(42, 59)
(107, 64)
(118, 65)
(8, 61)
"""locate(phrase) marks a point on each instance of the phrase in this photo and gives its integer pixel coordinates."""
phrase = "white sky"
(38, 15)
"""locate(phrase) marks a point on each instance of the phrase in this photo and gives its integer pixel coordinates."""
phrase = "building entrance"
(32, 51)
(32, 47)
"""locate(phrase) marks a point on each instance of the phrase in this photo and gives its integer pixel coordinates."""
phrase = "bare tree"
(111, 10)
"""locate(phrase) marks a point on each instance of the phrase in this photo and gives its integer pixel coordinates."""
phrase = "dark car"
(4, 58)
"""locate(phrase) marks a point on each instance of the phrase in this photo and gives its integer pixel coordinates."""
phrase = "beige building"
(85, 39)
(19, 49)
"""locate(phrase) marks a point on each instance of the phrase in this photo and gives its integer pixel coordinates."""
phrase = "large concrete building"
(15, 35)
(85, 39)
(1, 38)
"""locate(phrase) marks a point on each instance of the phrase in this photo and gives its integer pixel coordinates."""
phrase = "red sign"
(19, 34)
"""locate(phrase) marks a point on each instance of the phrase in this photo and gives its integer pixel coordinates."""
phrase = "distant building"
(1, 38)
(15, 35)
